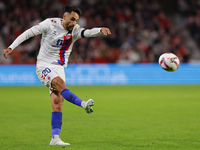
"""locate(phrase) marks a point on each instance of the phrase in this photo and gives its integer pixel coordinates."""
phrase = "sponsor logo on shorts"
(48, 77)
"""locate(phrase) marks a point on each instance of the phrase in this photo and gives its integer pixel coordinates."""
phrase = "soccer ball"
(169, 62)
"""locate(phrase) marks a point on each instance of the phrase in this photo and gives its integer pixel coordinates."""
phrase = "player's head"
(70, 17)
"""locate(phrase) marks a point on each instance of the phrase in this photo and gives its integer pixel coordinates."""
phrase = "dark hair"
(69, 9)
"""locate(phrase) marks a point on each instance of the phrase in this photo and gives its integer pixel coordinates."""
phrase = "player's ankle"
(55, 136)
(83, 104)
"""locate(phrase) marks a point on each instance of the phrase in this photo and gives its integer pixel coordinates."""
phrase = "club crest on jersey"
(68, 36)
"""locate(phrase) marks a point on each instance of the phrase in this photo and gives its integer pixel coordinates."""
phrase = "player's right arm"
(21, 38)
(6, 52)
(33, 31)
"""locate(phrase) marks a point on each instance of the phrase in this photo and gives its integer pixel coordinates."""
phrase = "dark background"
(141, 29)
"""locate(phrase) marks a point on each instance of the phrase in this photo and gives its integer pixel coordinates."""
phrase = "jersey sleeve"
(79, 32)
(92, 32)
(35, 30)
(41, 28)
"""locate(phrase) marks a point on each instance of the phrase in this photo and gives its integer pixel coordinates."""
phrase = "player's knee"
(58, 84)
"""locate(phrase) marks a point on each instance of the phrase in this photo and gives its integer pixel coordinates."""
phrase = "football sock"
(56, 122)
(71, 97)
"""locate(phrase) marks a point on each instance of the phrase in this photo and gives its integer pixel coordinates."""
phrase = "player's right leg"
(56, 119)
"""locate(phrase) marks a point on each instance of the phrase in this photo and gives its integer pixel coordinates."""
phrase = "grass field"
(125, 118)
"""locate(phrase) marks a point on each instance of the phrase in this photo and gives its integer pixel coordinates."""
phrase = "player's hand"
(6, 52)
(105, 31)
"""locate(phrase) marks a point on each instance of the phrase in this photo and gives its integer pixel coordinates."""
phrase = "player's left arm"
(79, 32)
(95, 32)
(105, 31)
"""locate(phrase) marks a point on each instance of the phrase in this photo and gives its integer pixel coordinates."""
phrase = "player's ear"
(64, 15)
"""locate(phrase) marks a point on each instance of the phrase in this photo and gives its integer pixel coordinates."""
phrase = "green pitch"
(125, 118)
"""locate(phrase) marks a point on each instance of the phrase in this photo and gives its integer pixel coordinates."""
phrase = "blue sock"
(56, 122)
(71, 97)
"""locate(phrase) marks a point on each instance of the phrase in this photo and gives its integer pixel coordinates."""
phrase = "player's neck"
(62, 24)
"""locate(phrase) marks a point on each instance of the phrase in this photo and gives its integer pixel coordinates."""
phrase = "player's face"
(70, 20)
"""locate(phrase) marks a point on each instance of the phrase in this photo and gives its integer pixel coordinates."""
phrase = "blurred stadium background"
(141, 31)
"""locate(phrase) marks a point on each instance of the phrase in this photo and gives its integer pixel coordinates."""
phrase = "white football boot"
(57, 141)
(87, 105)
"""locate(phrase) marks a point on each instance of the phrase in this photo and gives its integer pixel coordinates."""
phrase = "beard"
(69, 28)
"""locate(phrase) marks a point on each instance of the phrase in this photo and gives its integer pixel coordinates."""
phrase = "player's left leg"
(59, 84)
(56, 119)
